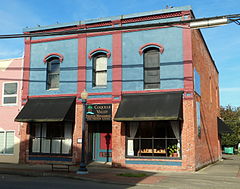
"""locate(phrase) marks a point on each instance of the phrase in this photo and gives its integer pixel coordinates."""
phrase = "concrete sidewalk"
(223, 174)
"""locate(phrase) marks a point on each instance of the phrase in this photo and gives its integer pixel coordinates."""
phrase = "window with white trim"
(10, 93)
(100, 70)
(6, 142)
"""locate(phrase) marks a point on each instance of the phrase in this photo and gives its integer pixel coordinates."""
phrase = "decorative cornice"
(116, 22)
(152, 17)
(100, 24)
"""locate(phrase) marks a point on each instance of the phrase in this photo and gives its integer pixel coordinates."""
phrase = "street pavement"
(21, 182)
(224, 174)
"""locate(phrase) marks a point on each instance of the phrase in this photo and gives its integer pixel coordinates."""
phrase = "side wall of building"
(207, 98)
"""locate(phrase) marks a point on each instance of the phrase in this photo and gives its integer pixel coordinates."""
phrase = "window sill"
(100, 87)
(152, 89)
(9, 105)
(53, 89)
(7, 154)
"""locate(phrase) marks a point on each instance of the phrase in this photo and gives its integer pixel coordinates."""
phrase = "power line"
(181, 23)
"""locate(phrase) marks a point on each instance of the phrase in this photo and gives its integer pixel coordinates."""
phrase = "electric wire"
(181, 23)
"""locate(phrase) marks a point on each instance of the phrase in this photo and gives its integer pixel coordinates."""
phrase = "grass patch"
(132, 174)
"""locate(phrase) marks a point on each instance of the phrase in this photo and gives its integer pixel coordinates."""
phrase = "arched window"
(53, 72)
(99, 70)
(151, 57)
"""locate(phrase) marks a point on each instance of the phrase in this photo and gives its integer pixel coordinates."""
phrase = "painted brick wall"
(11, 72)
(68, 67)
(207, 144)
(124, 48)
(171, 61)
(93, 43)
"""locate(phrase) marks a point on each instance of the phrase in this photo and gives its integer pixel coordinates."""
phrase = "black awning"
(52, 109)
(222, 127)
(150, 107)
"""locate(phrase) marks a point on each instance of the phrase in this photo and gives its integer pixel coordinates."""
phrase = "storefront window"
(51, 138)
(158, 139)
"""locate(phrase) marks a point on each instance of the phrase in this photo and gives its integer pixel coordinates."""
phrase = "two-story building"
(153, 94)
(11, 72)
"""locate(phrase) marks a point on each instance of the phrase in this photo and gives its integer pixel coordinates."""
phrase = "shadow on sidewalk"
(97, 172)
(103, 172)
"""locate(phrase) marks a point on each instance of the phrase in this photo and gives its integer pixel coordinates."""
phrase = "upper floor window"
(197, 82)
(10, 93)
(151, 58)
(198, 112)
(100, 70)
(53, 73)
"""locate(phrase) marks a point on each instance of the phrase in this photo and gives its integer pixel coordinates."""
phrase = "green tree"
(231, 117)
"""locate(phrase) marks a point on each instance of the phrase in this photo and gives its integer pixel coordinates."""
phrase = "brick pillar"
(24, 143)
(77, 133)
(188, 136)
(118, 141)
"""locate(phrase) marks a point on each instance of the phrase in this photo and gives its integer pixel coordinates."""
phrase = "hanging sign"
(99, 112)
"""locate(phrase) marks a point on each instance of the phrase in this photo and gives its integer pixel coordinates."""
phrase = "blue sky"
(223, 42)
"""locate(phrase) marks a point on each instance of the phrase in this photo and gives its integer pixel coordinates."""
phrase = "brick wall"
(24, 144)
(188, 144)
(188, 132)
(77, 133)
(207, 144)
(118, 140)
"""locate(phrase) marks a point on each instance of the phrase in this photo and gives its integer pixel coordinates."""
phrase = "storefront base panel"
(155, 165)
(49, 159)
(11, 158)
(168, 163)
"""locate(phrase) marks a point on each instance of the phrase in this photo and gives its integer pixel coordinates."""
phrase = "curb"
(72, 176)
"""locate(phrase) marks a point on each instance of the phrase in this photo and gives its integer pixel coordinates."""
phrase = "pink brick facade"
(11, 72)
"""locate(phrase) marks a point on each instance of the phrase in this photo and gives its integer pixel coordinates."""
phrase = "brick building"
(153, 94)
(10, 103)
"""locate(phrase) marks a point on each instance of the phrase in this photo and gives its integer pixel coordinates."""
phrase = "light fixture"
(84, 95)
(207, 23)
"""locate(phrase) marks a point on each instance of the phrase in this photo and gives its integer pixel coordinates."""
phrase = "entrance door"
(102, 143)
(102, 149)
